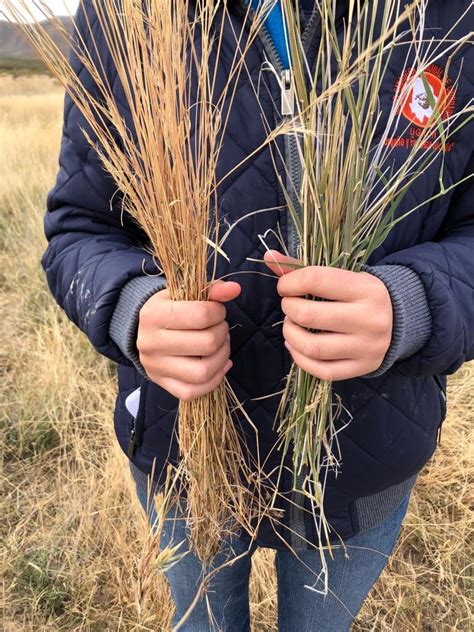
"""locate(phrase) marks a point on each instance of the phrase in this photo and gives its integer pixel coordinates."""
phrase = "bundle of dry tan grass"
(165, 170)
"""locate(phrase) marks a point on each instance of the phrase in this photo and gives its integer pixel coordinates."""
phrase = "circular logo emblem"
(425, 94)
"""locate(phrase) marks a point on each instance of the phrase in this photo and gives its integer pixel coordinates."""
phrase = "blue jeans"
(351, 576)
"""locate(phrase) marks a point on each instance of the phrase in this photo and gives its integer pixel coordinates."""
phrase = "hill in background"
(17, 56)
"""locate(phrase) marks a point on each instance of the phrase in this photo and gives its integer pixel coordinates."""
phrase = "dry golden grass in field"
(74, 536)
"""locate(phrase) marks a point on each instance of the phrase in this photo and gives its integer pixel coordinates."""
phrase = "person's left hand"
(353, 322)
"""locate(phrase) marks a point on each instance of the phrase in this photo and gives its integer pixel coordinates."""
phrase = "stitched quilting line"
(345, 436)
(393, 405)
(424, 353)
(252, 329)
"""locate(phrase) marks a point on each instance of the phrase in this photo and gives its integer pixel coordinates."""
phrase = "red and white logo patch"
(418, 105)
(416, 98)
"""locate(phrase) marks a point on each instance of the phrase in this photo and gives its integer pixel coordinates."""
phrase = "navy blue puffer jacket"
(93, 255)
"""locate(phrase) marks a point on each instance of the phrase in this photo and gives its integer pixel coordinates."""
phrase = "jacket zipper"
(131, 441)
(287, 107)
(294, 173)
(440, 385)
(134, 408)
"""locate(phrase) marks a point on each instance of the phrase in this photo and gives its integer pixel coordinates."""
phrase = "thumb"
(276, 262)
(224, 291)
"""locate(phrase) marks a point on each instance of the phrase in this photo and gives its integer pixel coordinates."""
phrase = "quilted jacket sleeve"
(93, 249)
(446, 269)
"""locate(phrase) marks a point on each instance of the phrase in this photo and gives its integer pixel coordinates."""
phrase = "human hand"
(353, 323)
(184, 346)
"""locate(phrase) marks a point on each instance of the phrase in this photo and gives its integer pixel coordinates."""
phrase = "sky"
(59, 7)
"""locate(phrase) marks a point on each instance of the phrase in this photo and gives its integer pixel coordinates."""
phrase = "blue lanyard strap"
(274, 24)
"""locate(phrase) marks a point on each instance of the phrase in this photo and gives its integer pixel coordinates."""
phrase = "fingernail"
(228, 337)
(228, 365)
(288, 346)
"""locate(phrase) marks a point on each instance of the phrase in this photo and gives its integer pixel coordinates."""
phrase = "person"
(387, 337)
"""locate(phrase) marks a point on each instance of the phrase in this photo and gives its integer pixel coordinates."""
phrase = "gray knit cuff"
(124, 323)
(411, 313)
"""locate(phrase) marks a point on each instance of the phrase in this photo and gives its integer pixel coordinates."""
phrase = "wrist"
(411, 325)
(123, 326)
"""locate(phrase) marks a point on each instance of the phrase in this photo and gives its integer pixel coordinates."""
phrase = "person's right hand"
(184, 346)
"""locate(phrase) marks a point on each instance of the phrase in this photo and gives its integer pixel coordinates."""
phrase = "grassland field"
(75, 552)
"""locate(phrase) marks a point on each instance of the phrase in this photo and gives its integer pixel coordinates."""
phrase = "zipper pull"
(131, 442)
(287, 93)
